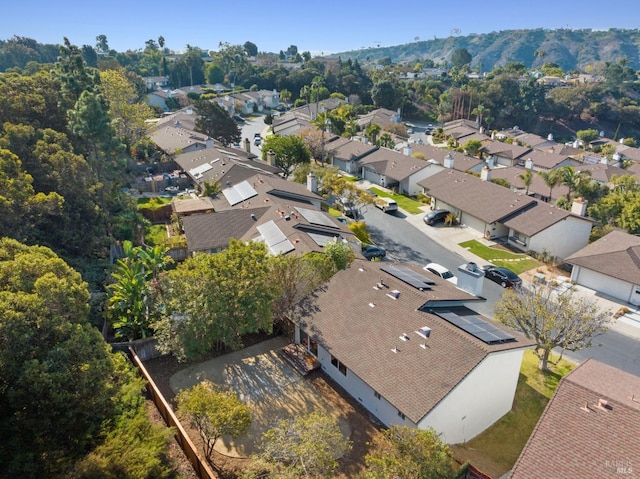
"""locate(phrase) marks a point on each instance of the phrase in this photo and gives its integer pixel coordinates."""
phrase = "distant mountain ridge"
(570, 49)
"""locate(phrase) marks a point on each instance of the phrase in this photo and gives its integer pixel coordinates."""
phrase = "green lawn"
(496, 450)
(152, 203)
(404, 202)
(518, 263)
(155, 235)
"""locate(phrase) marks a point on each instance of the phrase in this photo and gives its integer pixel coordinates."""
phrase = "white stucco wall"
(482, 398)
(602, 283)
(410, 185)
(361, 391)
(563, 238)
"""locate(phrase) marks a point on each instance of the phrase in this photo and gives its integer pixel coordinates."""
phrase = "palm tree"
(527, 178)
(551, 179)
(372, 132)
(572, 179)
(480, 112)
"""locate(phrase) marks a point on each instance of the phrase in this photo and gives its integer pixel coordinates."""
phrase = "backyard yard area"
(275, 391)
(496, 450)
(502, 257)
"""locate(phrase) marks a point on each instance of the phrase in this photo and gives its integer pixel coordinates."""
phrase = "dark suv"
(435, 216)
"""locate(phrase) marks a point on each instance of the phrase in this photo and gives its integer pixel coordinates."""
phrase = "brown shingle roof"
(461, 162)
(616, 254)
(340, 317)
(535, 218)
(600, 443)
(393, 164)
(506, 150)
(538, 186)
(485, 200)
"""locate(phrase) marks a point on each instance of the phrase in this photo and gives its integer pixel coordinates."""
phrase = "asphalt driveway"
(265, 381)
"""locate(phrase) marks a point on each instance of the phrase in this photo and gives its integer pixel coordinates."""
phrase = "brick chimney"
(485, 173)
(312, 183)
(448, 161)
(271, 158)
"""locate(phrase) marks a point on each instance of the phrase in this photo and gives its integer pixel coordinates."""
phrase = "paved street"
(407, 238)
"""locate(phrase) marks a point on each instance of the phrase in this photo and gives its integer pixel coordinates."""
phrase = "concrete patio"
(264, 380)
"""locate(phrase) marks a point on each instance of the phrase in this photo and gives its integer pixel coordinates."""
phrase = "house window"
(337, 364)
(402, 416)
(377, 394)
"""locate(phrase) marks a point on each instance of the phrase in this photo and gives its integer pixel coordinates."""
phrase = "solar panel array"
(477, 327)
(275, 238)
(316, 217)
(239, 193)
(321, 239)
(412, 278)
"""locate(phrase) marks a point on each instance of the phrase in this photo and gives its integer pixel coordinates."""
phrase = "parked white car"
(442, 272)
(386, 204)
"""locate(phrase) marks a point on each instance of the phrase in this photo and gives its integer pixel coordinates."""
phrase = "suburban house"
(505, 154)
(464, 130)
(345, 153)
(391, 169)
(539, 160)
(225, 165)
(156, 83)
(176, 133)
(610, 265)
(590, 427)
(287, 216)
(454, 159)
(603, 172)
(381, 117)
(301, 117)
(251, 101)
(407, 345)
(497, 213)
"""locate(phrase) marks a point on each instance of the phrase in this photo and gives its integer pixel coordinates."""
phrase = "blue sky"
(327, 26)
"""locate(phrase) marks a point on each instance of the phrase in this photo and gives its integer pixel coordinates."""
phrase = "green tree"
(620, 207)
(472, 147)
(55, 372)
(587, 136)
(212, 301)
(340, 253)
(250, 48)
(132, 304)
(290, 151)
(572, 178)
(551, 179)
(372, 132)
(552, 320)
(385, 95)
(305, 447)
(460, 58)
(386, 140)
(402, 451)
(127, 110)
(102, 45)
(89, 122)
(527, 179)
(214, 413)
(131, 446)
(214, 121)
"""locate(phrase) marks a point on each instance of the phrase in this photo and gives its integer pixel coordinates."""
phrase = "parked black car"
(373, 252)
(503, 276)
(435, 216)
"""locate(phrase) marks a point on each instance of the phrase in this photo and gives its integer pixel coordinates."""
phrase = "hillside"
(570, 49)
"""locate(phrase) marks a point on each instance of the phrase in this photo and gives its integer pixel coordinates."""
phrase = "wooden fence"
(200, 465)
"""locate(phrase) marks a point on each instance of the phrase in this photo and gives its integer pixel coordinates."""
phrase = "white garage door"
(604, 284)
(473, 223)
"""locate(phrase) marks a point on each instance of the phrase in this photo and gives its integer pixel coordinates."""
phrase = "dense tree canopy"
(54, 367)
(214, 121)
(213, 300)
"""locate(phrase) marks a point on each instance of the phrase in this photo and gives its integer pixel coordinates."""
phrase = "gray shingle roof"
(569, 441)
(393, 164)
(616, 254)
(485, 200)
(340, 317)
